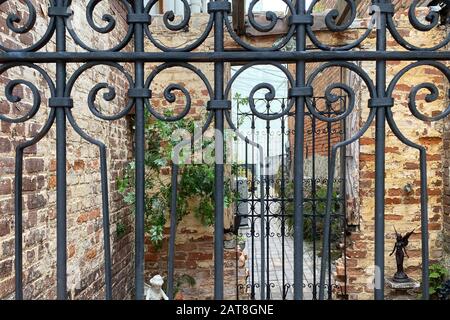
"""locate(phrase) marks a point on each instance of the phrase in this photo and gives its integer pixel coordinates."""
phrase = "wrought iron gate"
(219, 107)
(270, 273)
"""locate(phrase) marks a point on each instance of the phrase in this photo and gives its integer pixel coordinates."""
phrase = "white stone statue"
(154, 291)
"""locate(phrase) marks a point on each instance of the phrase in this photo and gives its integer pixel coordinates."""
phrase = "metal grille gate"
(270, 272)
(300, 29)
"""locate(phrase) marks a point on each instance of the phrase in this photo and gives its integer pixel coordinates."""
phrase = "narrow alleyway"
(280, 273)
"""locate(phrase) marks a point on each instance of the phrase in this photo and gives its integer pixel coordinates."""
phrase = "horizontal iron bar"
(291, 200)
(231, 56)
(288, 215)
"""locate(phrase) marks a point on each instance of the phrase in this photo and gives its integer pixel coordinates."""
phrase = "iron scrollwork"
(431, 22)
(16, 25)
(139, 33)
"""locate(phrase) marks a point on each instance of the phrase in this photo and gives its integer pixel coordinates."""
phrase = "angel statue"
(154, 291)
(400, 252)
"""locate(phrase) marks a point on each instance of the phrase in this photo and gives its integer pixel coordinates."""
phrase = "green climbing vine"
(195, 187)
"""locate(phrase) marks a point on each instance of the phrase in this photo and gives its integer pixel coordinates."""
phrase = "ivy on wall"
(195, 187)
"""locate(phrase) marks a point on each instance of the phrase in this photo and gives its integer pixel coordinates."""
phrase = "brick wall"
(194, 243)
(84, 216)
(402, 166)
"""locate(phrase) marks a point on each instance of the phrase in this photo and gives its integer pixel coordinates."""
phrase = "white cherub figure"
(154, 291)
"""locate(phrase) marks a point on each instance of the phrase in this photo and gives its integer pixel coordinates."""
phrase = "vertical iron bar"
(239, 201)
(253, 211)
(18, 224)
(173, 232)
(219, 68)
(327, 224)
(424, 225)
(329, 132)
(314, 201)
(283, 201)
(140, 158)
(61, 183)
(298, 160)
(106, 227)
(380, 142)
(343, 196)
(267, 224)
(263, 219)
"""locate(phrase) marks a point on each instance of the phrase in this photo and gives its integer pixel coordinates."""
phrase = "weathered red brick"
(5, 145)
(5, 187)
(29, 184)
(71, 251)
(79, 165)
(4, 228)
(91, 254)
(94, 214)
(429, 141)
(34, 165)
(411, 166)
(5, 268)
(36, 201)
(83, 218)
(7, 165)
(196, 256)
(393, 201)
(393, 217)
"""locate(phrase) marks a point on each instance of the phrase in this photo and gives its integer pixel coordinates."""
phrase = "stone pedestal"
(402, 291)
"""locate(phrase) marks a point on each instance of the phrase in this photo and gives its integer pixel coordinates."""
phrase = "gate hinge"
(222, 6)
(381, 102)
(217, 105)
(301, 19)
(140, 93)
(60, 12)
(301, 92)
(60, 102)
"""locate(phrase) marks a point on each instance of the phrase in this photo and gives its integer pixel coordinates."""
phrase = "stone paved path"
(276, 264)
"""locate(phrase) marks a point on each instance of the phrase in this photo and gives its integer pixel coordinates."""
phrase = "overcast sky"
(243, 85)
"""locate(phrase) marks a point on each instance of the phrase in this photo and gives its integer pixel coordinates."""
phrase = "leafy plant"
(444, 291)
(241, 102)
(181, 281)
(240, 238)
(438, 275)
(196, 182)
(314, 212)
(120, 230)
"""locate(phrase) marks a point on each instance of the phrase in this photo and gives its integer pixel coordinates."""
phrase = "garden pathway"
(277, 283)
